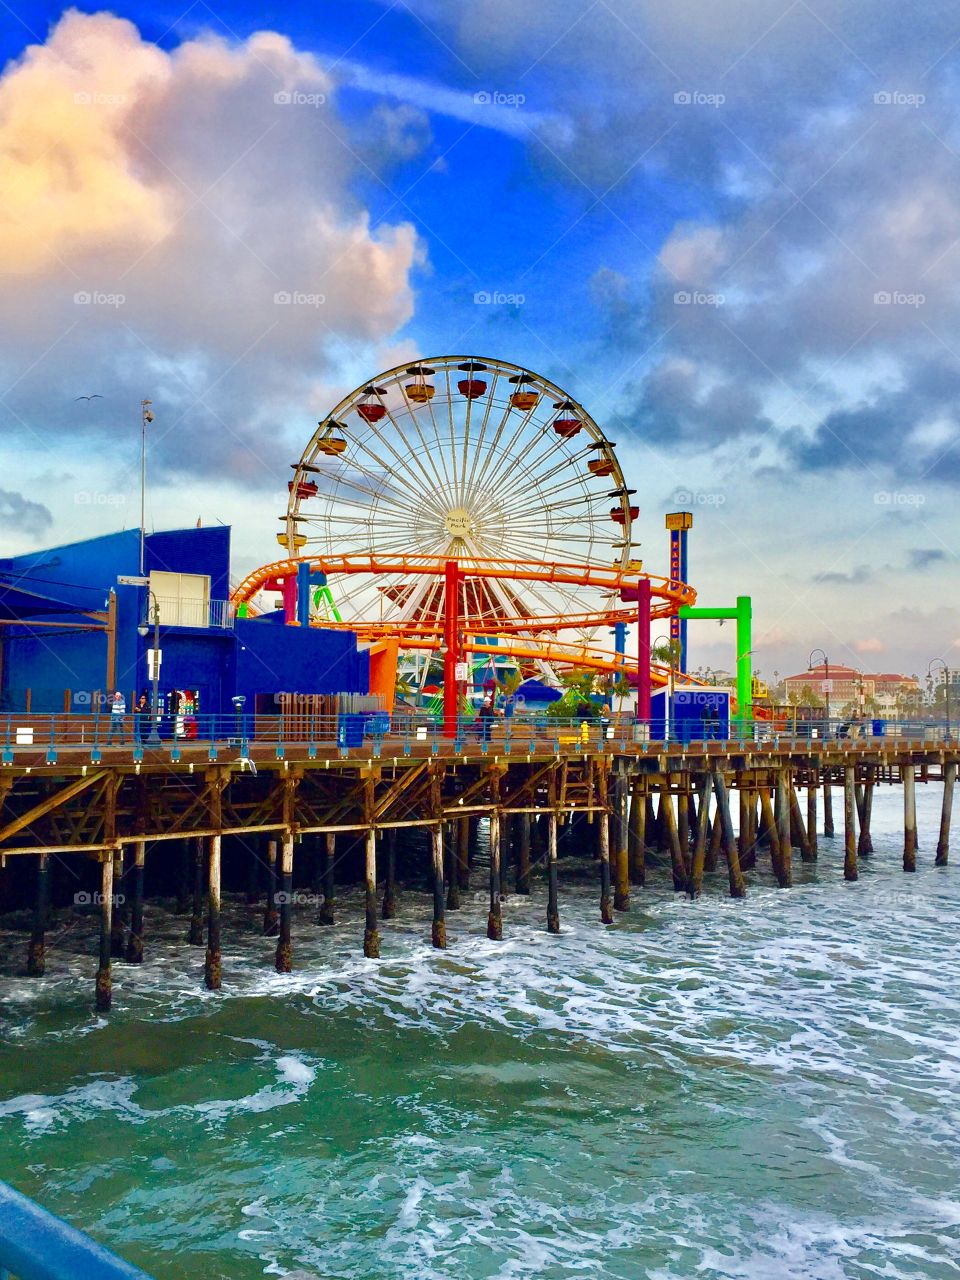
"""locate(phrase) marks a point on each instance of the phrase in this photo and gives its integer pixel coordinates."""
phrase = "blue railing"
(36, 1245)
(98, 735)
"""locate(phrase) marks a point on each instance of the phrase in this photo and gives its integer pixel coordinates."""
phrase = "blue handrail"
(36, 1245)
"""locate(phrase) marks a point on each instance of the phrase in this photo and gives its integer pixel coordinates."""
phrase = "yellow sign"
(679, 520)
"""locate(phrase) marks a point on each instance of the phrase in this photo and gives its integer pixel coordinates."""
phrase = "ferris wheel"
(459, 458)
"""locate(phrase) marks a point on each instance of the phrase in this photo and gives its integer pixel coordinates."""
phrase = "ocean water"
(765, 1088)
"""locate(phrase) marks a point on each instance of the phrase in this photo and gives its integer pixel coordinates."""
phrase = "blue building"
(70, 629)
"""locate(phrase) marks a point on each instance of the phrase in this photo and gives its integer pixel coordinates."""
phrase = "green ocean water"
(754, 1089)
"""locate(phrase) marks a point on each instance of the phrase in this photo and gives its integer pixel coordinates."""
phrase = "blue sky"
(733, 231)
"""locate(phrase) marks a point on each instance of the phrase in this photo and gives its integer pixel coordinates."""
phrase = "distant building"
(846, 684)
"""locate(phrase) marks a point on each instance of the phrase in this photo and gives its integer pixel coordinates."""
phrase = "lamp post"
(146, 415)
(144, 630)
(946, 686)
(826, 680)
(238, 704)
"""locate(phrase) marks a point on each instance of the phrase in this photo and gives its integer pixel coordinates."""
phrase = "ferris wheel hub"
(459, 523)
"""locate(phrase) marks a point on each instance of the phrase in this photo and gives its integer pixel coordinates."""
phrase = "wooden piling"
(700, 845)
(714, 842)
(439, 932)
(135, 936)
(185, 863)
(850, 871)
(523, 853)
(946, 811)
(771, 833)
(271, 916)
(118, 925)
(636, 835)
(283, 961)
(253, 875)
(451, 837)
(621, 889)
(553, 910)
(195, 935)
(827, 805)
(798, 832)
(325, 914)
(104, 990)
(812, 816)
(495, 914)
(738, 888)
(371, 935)
(785, 880)
(212, 965)
(602, 794)
(463, 854)
(677, 862)
(37, 948)
(909, 817)
(865, 813)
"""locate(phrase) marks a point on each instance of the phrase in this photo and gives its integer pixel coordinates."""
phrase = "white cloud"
(160, 203)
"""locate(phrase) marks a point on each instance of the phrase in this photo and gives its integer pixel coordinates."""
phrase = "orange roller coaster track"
(516, 636)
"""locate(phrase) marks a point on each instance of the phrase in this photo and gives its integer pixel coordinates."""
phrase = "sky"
(732, 231)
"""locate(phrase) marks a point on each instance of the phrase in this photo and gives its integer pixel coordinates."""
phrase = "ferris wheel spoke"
(404, 461)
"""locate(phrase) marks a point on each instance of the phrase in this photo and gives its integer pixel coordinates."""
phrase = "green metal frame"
(742, 612)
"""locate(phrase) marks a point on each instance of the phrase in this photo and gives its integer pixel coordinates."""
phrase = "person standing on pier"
(118, 709)
(141, 718)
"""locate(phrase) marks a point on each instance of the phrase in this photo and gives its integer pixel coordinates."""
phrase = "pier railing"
(36, 1245)
(88, 736)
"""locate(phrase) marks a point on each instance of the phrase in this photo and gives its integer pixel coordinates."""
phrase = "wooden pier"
(351, 815)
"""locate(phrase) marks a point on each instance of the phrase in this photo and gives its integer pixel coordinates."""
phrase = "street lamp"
(144, 629)
(146, 416)
(238, 702)
(826, 680)
(946, 686)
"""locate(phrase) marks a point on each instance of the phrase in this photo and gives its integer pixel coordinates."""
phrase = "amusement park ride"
(467, 506)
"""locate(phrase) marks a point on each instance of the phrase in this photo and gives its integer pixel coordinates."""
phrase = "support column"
(495, 915)
(135, 936)
(812, 787)
(104, 996)
(865, 807)
(325, 914)
(553, 909)
(621, 890)
(463, 854)
(439, 933)
(772, 832)
(523, 853)
(738, 888)
(271, 917)
(118, 927)
(715, 843)
(211, 969)
(451, 627)
(700, 847)
(797, 827)
(909, 818)
(253, 875)
(451, 845)
(195, 936)
(677, 863)
(283, 961)
(850, 871)
(37, 950)
(644, 687)
(783, 830)
(371, 935)
(606, 915)
(943, 844)
(827, 805)
(636, 835)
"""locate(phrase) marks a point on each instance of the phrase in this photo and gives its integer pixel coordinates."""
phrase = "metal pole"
(154, 737)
